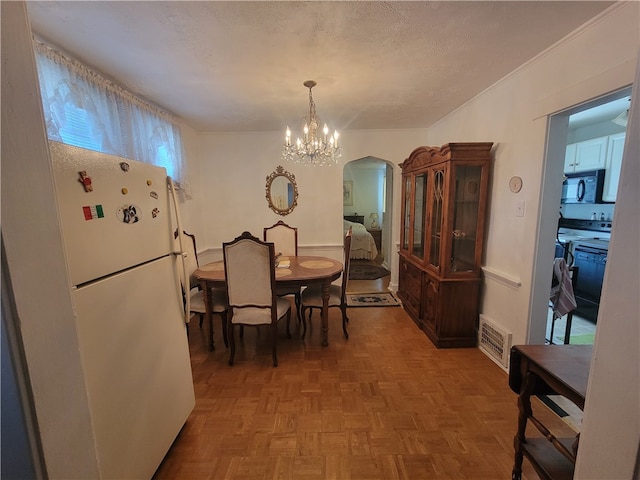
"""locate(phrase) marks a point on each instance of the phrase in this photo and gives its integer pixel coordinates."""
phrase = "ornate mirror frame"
(291, 198)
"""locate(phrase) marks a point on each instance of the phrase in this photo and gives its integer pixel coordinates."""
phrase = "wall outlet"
(519, 209)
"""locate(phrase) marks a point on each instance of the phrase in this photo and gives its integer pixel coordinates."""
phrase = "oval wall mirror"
(282, 191)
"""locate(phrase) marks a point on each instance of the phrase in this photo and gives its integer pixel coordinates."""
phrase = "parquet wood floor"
(385, 404)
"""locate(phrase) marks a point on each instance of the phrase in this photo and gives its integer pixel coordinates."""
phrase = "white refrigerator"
(118, 220)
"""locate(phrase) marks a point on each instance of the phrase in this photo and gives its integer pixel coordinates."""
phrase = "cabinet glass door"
(437, 212)
(420, 200)
(465, 217)
(407, 214)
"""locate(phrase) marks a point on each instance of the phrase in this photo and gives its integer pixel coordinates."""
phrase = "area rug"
(366, 271)
(386, 299)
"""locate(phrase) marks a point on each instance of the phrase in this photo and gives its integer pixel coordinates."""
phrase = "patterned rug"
(366, 271)
(386, 299)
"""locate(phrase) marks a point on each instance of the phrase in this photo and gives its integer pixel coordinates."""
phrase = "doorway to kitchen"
(584, 155)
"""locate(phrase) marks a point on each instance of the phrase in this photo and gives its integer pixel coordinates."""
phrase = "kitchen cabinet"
(586, 155)
(444, 191)
(570, 158)
(613, 164)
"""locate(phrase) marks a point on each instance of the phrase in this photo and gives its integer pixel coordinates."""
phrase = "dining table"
(292, 271)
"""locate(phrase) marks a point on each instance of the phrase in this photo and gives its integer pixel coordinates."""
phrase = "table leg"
(208, 301)
(524, 412)
(325, 314)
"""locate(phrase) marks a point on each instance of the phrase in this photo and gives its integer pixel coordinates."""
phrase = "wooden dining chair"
(197, 300)
(312, 295)
(285, 242)
(249, 266)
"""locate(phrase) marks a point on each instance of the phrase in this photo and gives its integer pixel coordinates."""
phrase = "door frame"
(550, 194)
(387, 220)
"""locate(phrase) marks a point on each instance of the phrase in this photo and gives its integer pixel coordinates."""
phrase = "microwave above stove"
(583, 187)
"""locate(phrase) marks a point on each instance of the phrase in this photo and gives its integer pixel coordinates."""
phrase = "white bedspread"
(362, 243)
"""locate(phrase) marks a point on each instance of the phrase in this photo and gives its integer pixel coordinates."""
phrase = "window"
(85, 109)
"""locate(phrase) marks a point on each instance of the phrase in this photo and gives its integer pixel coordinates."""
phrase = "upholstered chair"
(249, 266)
(197, 301)
(285, 242)
(312, 296)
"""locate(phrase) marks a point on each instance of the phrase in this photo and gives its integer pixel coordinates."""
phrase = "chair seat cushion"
(259, 316)
(312, 296)
(219, 301)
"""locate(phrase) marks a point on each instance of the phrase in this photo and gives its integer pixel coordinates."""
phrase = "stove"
(603, 226)
(595, 233)
(589, 254)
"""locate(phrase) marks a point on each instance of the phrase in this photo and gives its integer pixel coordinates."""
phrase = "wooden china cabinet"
(444, 191)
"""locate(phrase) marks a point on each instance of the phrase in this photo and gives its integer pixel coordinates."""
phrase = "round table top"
(302, 269)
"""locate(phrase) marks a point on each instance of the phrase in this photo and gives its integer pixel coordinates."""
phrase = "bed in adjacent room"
(363, 245)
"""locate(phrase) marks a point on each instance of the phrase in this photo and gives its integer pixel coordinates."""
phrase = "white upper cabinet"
(570, 158)
(587, 155)
(613, 164)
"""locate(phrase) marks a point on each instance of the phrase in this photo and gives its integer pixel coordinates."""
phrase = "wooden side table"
(547, 369)
(376, 233)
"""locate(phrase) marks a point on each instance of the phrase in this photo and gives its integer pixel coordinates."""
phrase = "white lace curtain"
(84, 109)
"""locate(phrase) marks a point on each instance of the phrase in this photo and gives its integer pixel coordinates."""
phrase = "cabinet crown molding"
(422, 156)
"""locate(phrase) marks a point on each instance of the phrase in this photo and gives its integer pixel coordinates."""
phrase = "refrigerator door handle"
(185, 274)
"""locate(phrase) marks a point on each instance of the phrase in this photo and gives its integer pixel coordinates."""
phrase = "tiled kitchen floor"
(582, 330)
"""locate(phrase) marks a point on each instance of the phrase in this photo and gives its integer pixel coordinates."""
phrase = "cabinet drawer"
(409, 288)
(431, 288)
(412, 305)
(410, 278)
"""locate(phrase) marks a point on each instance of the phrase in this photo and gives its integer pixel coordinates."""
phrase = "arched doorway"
(368, 194)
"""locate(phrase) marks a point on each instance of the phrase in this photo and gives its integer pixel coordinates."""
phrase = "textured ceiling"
(240, 66)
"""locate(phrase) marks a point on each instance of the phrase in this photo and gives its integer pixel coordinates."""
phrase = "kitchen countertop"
(571, 238)
(593, 239)
(593, 242)
(582, 240)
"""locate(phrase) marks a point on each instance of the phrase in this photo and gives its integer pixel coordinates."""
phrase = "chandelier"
(315, 147)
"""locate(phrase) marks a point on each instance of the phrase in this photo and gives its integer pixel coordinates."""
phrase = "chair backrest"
(283, 237)
(347, 265)
(249, 266)
(190, 258)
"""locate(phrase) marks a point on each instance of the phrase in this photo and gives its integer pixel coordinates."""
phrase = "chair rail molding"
(501, 277)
